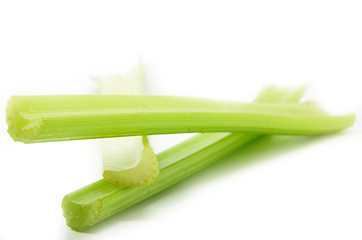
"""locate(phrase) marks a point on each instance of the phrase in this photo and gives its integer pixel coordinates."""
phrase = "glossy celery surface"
(97, 201)
(127, 161)
(59, 118)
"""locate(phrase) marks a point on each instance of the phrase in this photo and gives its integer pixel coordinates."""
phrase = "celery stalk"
(127, 161)
(100, 200)
(59, 118)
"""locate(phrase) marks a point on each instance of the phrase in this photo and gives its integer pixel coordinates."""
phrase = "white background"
(286, 188)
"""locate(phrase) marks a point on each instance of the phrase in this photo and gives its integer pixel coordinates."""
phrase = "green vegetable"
(97, 201)
(127, 161)
(59, 118)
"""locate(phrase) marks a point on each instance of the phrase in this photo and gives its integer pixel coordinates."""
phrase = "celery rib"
(93, 203)
(59, 118)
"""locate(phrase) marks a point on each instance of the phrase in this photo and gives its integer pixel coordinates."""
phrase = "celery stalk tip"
(21, 128)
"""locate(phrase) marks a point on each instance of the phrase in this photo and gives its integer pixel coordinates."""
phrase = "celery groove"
(59, 118)
(97, 201)
(127, 161)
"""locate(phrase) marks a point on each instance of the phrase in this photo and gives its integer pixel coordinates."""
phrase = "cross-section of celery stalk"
(127, 161)
(100, 200)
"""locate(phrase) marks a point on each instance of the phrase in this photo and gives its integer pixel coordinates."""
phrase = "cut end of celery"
(80, 216)
(143, 174)
(20, 128)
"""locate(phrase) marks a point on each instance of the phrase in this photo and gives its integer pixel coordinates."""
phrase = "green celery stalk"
(93, 203)
(127, 161)
(59, 118)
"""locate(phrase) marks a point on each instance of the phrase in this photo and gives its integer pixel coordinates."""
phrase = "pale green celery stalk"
(100, 200)
(70, 117)
(127, 161)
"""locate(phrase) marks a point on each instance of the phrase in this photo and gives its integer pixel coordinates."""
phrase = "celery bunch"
(224, 126)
